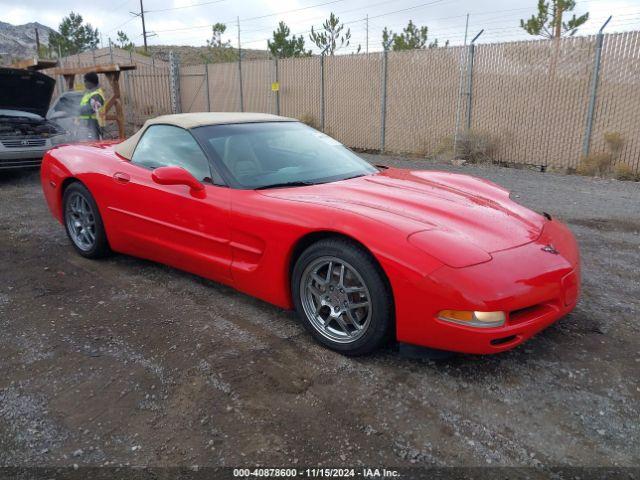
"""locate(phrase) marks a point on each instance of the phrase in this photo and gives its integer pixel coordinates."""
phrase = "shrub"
(622, 171)
(614, 141)
(310, 120)
(595, 164)
(471, 146)
(444, 149)
(602, 163)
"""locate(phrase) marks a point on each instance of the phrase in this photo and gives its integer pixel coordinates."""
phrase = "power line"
(433, 2)
(498, 19)
(316, 17)
(474, 14)
(122, 24)
(184, 6)
(254, 18)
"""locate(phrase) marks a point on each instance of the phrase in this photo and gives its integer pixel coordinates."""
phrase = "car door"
(172, 224)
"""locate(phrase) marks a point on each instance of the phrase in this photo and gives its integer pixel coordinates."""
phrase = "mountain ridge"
(19, 41)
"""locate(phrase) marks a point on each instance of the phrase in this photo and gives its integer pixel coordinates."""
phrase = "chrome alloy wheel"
(81, 222)
(335, 299)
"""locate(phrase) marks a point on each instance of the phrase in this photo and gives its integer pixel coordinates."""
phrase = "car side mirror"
(176, 176)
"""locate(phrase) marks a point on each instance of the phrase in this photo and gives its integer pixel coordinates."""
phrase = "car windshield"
(274, 154)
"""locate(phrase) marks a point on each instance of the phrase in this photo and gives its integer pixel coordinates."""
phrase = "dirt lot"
(127, 362)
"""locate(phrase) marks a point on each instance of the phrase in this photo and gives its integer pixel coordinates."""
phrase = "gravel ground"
(123, 361)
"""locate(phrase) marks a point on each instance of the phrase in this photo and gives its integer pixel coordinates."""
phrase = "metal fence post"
(383, 119)
(586, 142)
(206, 79)
(278, 90)
(456, 131)
(470, 84)
(240, 68)
(174, 82)
(322, 92)
(240, 81)
(472, 54)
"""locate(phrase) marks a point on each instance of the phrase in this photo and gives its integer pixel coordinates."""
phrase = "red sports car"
(287, 214)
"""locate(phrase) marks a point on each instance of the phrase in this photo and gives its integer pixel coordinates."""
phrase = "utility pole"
(145, 35)
(367, 28)
(466, 30)
(144, 30)
(37, 43)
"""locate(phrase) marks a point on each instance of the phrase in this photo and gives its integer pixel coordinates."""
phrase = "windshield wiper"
(285, 184)
(354, 176)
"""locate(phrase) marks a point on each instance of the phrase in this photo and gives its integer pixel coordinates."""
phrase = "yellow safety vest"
(85, 100)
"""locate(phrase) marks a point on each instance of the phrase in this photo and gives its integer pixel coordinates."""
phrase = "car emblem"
(550, 249)
(25, 142)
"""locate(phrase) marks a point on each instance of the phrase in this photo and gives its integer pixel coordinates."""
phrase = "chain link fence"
(530, 98)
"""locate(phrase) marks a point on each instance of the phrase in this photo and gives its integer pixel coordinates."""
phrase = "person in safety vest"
(90, 107)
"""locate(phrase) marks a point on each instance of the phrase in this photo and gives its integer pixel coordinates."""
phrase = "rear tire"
(83, 222)
(342, 297)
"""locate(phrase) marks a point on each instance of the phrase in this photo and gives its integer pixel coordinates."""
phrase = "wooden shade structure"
(35, 63)
(112, 73)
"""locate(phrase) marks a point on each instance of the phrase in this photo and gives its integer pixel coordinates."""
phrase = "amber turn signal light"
(473, 319)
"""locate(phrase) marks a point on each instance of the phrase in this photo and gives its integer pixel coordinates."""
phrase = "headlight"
(473, 319)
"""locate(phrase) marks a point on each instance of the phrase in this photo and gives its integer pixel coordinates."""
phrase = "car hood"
(25, 90)
(455, 209)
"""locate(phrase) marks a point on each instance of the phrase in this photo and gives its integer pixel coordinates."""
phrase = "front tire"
(83, 222)
(342, 296)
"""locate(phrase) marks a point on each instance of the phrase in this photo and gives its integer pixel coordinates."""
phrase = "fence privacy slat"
(352, 101)
(530, 97)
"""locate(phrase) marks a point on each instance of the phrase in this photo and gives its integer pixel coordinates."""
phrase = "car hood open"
(25, 90)
(454, 207)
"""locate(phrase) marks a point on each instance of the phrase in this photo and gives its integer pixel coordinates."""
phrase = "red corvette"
(287, 214)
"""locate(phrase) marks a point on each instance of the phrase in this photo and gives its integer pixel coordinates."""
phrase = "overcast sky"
(187, 22)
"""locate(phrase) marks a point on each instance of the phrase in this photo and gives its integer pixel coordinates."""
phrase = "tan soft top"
(192, 120)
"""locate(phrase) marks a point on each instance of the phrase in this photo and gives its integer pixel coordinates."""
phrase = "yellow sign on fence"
(275, 86)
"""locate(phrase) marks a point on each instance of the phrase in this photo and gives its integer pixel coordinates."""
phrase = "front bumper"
(13, 156)
(10, 159)
(534, 287)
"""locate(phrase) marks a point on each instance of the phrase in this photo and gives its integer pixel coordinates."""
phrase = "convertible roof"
(192, 120)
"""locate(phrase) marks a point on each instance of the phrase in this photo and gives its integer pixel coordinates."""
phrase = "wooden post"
(114, 102)
(69, 80)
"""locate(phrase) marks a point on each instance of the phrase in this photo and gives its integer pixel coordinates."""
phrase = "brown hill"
(197, 55)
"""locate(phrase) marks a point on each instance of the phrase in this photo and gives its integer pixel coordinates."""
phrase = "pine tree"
(548, 21)
(74, 36)
(411, 38)
(330, 38)
(284, 47)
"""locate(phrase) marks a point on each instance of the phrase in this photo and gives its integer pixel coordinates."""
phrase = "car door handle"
(121, 177)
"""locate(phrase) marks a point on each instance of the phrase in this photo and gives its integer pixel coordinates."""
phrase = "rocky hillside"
(19, 41)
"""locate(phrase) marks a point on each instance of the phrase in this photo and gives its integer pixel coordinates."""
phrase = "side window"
(166, 145)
